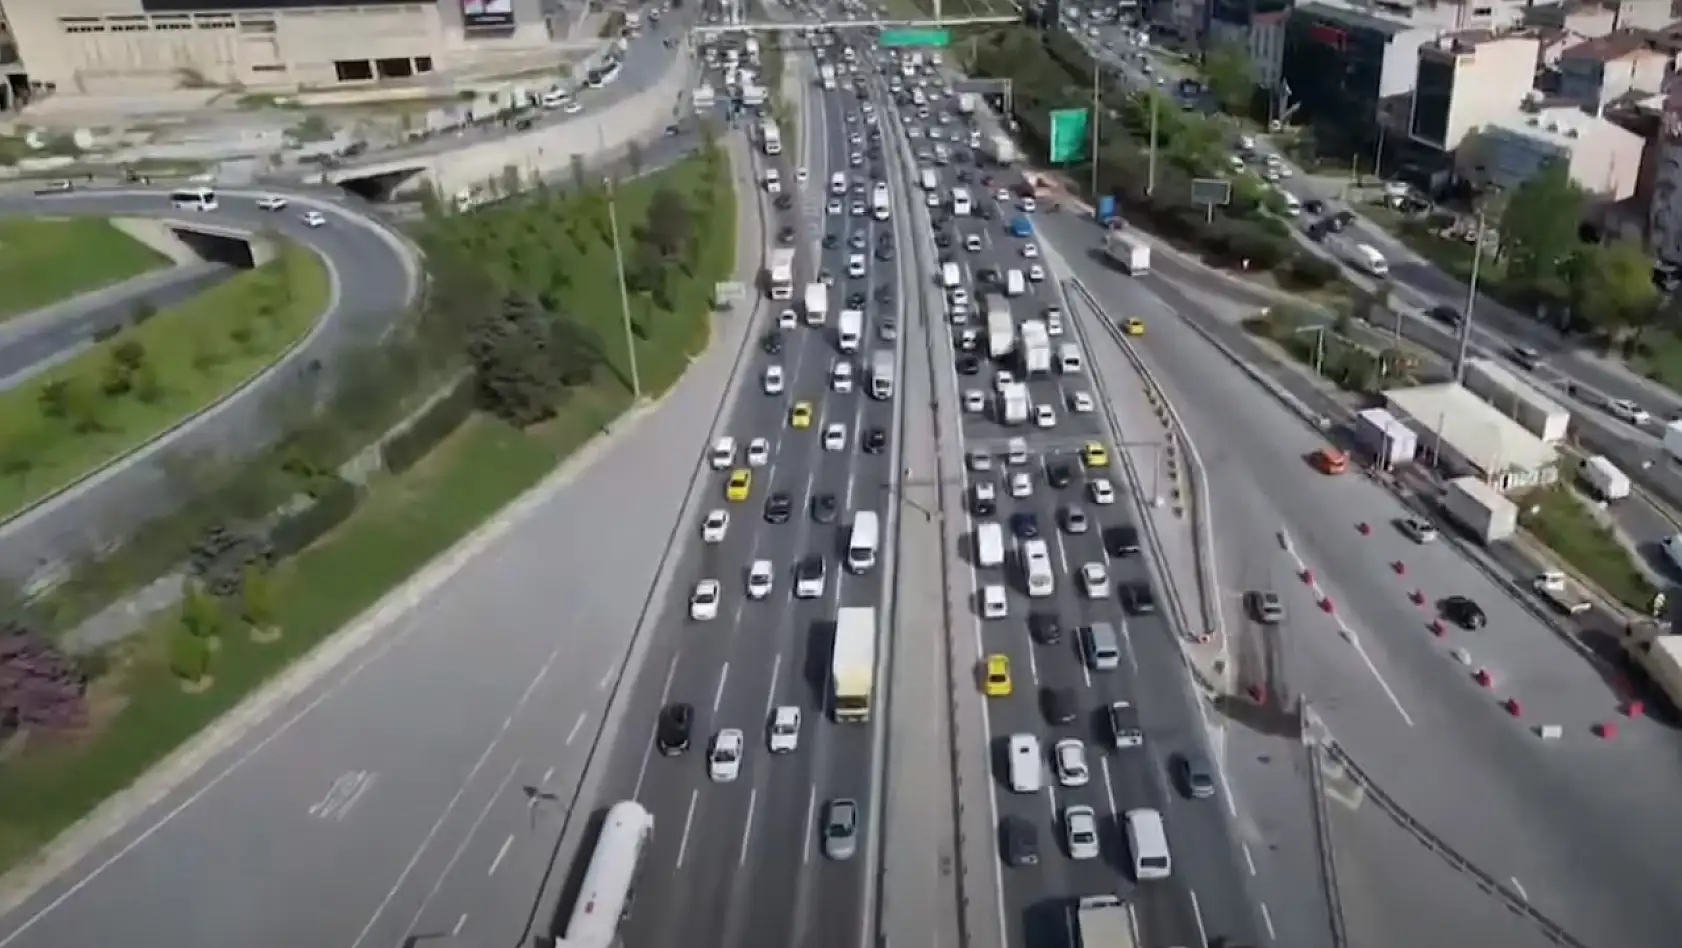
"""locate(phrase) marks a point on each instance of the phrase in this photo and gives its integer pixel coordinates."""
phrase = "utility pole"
(1464, 343)
(624, 292)
(1150, 159)
(1095, 120)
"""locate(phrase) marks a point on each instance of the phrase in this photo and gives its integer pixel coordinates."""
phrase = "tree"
(200, 616)
(1613, 290)
(670, 227)
(54, 399)
(189, 657)
(84, 406)
(1226, 70)
(1539, 233)
(514, 369)
(257, 600)
(580, 174)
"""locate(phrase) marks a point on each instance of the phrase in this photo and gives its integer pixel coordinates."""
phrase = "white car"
(800, 175)
(858, 209)
(974, 401)
(783, 731)
(759, 452)
(1002, 378)
(835, 437)
(1054, 322)
(787, 319)
(773, 380)
(1036, 274)
(959, 297)
(1045, 416)
(1021, 485)
(703, 602)
(1069, 756)
(1082, 403)
(1031, 251)
(724, 761)
(1003, 195)
(1080, 825)
(572, 108)
(761, 578)
(931, 199)
(855, 265)
(1095, 580)
(723, 453)
(833, 208)
(313, 219)
(1629, 412)
(993, 602)
(1103, 493)
(714, 526)
(1027, 206)
(272, 203)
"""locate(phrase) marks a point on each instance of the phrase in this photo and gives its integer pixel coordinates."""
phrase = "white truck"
(817, 303)
(1001, 149)
(779, 274)
(1604, 479)
(882, 374)
(1672, 440)
(1013, 403)
(852, 668)
(1560, 592)
(880, 207)
(826, 75)
(966, 103)
(1129, 252)
(1036, 348)
(771, 137)
(1104, 921)
(1484, 511)
(1001, 329)
(849, 330)
(753, 94)
(704, 98)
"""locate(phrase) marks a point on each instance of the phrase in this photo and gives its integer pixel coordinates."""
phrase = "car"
(1137, 598)
(825, 508)
(1068, 756)
(724, 760)
(272, 202)
(1196, 779)
(858, 209)
(1464, 612)
(975, 401)
(1080, 829)
(1060, 705)
(1045, 628)
(1074, 519)
(1133, 327)
(785, 236)
(783, 730)
(1081, 403)
(833, 207)
(1103, 493)
(1059, 475)
(1266, 606)
(703, 602)
(773, 380)
(1020, 841)
(968, 365)
(759, 452)
(994, 604)
(983, 498)
(1417, 530)
(1021, 485)
(856, 266)
(1125, 731)
(740, 484)
(787, 319)
(1031, 251)
(1445, 314)
(314, 219)
(998, 683)
(771, 343)
(1036, 273)
(1045, 416)
(978, 460)
(810, 577)
(778, 507)
(1025, 525)
(1629, 412)
(671, 733)
(1095, 580)
(714, 525)
(1027, 205)
(1094, 455)
(800, 416)
(841, 829)
(761, 578)
(1121, 540)
(835, 437)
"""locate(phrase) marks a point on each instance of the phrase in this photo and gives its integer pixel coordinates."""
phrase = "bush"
(334, 502)
(1309, 272)
(402, 450)
(189, 656)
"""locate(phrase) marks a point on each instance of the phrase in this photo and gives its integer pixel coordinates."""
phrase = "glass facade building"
(1334, 64)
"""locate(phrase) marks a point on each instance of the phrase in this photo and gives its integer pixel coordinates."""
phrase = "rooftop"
(1471, 428)
(1565, 125)
(1612, 46)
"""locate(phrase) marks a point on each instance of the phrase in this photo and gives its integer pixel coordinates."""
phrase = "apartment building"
(1467, 79)
(1597, 72)
(1603, 158)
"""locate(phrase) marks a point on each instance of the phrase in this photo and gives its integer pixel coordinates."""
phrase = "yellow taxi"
(1134, 327)
(998, 683)
(740, 484)
(801, 416)
(1095, 455)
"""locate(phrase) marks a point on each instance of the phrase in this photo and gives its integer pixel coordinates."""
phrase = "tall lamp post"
(1463, 344)
(624, 290)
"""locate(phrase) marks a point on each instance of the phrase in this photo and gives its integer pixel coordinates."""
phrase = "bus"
(194, 199)
(605, 897)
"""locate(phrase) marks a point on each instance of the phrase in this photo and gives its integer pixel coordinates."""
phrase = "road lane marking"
(501, 854)
(1109, 789)
(811, 825)
(346, 789)
(1249, 861)
(547, 774)
(460, 924)
(1519, 888)
(537, 679)
(771, 693)
(688, 820)
(648, 755)
(1349, 634)
(455, 857)
(576, 726)
(1033, 665)
(718, 693)
(1267, 919)
(747, 828)
(1197, 916)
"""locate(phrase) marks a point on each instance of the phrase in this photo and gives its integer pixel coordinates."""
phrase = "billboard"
(481, 13)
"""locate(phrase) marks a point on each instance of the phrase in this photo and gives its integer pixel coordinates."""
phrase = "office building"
(1467, 79)
(1596, 72)
(1258, 26)
(1603, 157)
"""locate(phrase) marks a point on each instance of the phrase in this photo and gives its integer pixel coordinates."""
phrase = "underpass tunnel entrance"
(225, 249)
(382, 187)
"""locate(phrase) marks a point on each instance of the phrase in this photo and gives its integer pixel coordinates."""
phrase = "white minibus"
(1147, 843)
(989, 545)
(1068, 359)
(194, 199)
(862, 545)
(1036, 569)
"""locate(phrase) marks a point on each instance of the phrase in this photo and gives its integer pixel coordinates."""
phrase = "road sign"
(898, 38)
(1210, 192)
(1069, 135)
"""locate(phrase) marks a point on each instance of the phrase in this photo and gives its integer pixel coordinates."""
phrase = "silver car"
(841, 829)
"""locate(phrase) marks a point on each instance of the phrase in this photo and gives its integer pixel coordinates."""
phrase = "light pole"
(624, 291)
(1464, 343)
(1095, 121)
(1150, 156)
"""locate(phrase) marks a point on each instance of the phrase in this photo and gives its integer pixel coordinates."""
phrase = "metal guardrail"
(1323, 840)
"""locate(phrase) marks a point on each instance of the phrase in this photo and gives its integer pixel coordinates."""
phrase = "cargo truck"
(1128, 251)
(1672, 439)
(966, 103)
(779, 274)
(1565, 596)
(852, 668)
(826, 73)
(1036, 348)
(1013, 403)
(817, 304)
(1603, 478)
(1104, 921)
(849, 330)
(1001, 149)
(882, 374)
(1001, 330)
(879, 204)
(704, 98)
(753, 95)
(771, 137)
(1481, 509)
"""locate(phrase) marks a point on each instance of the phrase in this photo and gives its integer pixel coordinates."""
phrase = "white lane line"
(608, 676)
(547, 774)
(1361, 650)
(576, 727)
(648, 755)
(460, 924)
(1197, 915)
(747, 828)
(501, 854)
(718, 693)
(1249, 861)
(688, 821)
(461, 849)
(537, 679)
(1267, 919)
(771, 693)
(811, 826)
(1519, 888)
(1033, 665)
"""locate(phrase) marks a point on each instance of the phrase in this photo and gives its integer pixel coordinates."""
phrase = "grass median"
(1558, 518)
(49, 260)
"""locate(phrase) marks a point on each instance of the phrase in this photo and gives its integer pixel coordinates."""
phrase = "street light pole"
(1150, 157)
(1464, 343)
(1095, 120)
(624, 292)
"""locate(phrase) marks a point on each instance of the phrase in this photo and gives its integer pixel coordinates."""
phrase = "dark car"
(987, 276)
(1025, 525)
(784, 201)
(677, 721)
(785, 236)
(884, 294)
(825, 508)
(855, 299)
(771, 342)
(1045, 628)
(875, 440)
(1464, 612)
(778, 507)
(985, 211)
(857, 241)
(1137, 598)
(1445, 314)
(884, 252)
(968, 365)
(831, 240)
(1060, 705)
(1021, 841)
(1121, 540)
(1194, 776)
(942, 239)
(1059, 474)
(1314, 206)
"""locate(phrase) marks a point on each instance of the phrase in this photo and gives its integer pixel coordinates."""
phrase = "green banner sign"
(897, 38)
(1070, 133)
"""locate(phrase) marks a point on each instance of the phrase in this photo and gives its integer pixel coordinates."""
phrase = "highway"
(741, 863)
(1388, 689)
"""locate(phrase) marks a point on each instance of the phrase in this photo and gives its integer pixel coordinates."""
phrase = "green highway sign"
(1070, 130)
(896, 38)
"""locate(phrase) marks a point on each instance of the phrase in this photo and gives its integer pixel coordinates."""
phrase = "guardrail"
(1323, 841)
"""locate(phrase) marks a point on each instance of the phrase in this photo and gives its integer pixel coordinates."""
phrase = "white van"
(929, 180)
(1026, 770)
(863, 543)
(1068, 359)
(841, 377)
(950, 276)
(1015, 283)
(1036, 569)
(1370, 260)
(961, 205)
(773, 182)
(1147, 843)
(989, 545)
(838, 184)
(1293, 207)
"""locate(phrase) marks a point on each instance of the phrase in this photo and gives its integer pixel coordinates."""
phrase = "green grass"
(46, 261)
(196, 352)
(1556, 516)
(141, 711)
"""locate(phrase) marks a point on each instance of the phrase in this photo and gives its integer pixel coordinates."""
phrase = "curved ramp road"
(374, 275)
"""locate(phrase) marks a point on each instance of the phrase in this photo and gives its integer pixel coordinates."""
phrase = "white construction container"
(1603, 478)
(1664, 666)
(1484, 511)
(1385, 437)
(1673, 439)
(1517, 399)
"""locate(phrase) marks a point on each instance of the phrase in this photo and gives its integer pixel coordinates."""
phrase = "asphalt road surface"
(372, 283)
(741, 863)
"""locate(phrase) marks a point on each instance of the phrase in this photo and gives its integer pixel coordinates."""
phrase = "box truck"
(852, 672)
(1128, 251)
(1036, 348)
(1104, 921)
(1603, 478)
(1482, 510)
(779, 273)
(1385, 438)
(1672, 439)
(849, 330)
(1517, 399)
(771, 137)
(817, 304)
(882, 374)
(1013, 403)
(1001, 331)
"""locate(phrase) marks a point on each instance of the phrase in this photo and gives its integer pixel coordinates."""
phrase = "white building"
(1470, 436)
(1596, 72)
(1466, 80)
(1603, 158)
